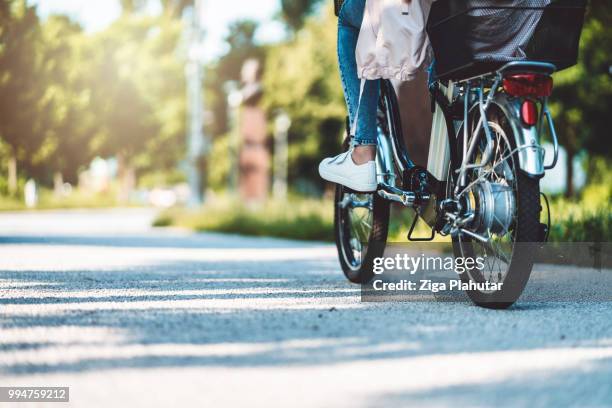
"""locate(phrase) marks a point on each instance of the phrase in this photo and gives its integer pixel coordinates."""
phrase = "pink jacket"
(392, 41)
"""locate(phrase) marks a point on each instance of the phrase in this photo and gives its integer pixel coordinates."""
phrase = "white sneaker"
(343, 170)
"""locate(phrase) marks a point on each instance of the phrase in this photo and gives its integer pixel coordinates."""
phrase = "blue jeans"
(349, 24)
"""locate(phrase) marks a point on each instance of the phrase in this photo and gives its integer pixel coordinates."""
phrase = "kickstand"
(414, 221)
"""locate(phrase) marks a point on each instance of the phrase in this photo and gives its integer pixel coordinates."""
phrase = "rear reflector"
(528, 85)
(529, 113)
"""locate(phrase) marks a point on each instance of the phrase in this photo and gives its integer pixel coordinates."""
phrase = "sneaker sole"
(334, 178)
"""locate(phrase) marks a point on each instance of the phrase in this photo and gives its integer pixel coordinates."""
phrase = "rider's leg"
(349, 24)
(356, 168)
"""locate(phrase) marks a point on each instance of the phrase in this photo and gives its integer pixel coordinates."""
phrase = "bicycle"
(481, 185)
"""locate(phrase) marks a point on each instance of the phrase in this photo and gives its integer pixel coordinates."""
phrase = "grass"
(586, 219)
(11, 204)
(47, 200)
(301, 219)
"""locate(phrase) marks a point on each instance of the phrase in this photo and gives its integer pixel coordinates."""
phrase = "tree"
(20, 85)
(301, 77)
(174, 8)
(171, 8)
(158, 77)
(294, 12)
(242, 46)
(68, 120)
(67, 96)
(131, 6)
(138, 95)
(582, 95)
(161, 80)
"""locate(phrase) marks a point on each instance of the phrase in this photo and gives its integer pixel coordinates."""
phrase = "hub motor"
(493, 205)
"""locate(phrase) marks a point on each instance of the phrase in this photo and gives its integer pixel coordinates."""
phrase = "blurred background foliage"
(582, 96)
(68, 96)
(302, 78)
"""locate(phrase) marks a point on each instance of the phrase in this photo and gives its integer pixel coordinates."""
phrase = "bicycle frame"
(447, 123)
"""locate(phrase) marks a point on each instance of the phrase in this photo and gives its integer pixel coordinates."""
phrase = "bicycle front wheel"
(361, 223)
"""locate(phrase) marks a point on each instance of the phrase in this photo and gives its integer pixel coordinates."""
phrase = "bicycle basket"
(473, 37)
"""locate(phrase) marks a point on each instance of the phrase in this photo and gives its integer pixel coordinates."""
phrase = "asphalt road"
(127, 315)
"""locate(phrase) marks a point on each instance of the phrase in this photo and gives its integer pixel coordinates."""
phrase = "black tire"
(360, 270)
(525, 233)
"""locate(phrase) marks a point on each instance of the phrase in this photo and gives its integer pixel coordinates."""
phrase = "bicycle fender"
(530, 152)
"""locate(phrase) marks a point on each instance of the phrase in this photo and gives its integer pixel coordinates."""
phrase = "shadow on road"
(273, 312)
(166, 240)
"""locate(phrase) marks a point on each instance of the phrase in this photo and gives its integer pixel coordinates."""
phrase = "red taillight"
(529, 113)
(528, 85)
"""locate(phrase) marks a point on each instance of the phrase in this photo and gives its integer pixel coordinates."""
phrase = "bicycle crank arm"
(407, 198)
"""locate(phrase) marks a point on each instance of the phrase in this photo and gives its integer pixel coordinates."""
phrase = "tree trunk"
(12, 174)
(129, 182)
(58, 184)
(127, 179)
(569, 180)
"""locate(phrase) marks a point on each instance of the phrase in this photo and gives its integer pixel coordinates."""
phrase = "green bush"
(10, 204)
(47, 200)
(303, 219)
(582, 225)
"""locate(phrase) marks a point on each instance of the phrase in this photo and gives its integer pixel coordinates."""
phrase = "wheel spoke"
(499, 249)
(357, 210)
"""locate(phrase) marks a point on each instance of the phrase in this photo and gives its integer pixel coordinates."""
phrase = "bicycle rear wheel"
(506, 205)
